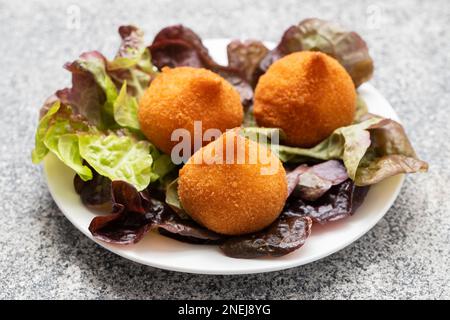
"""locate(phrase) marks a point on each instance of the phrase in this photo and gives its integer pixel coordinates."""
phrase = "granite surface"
(407, 254)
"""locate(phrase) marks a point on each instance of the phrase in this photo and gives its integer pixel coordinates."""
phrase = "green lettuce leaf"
(57, 132)
(68, 151)
(40, 149)
(249, 118)
(118, 158)
(262, 134)
(126, 109)
(116, 155)
(173, 199)
(97, 68)
(162, 165)
(347, 143)
(372, 150)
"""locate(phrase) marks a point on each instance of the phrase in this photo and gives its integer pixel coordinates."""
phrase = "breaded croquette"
(180, 96)
(308, 95)
(233, 185)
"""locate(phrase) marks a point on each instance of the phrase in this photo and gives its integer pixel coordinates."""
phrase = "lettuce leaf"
(166, 46)
(372, 150)
(347, 143)
(66, 148)
(173, 200)
(340, 201)
(176, 46)
(93, 93)
(96, 82)
(390, 153)
(162, 165)
(116, 155)
(246, 57)
(361, 109)
(310, 183)
(118, 158)
(135, 213)
(57, 132)
(319, 35)
(40, 150)
(284, 235)
(133, 63)
(94, 127)
(95, 193)
(125, 109)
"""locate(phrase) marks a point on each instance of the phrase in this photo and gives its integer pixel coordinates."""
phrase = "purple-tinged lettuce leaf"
(310, 183)
(133, 63)
(175, 53)
(132, 43)
(348, 144)
(371, 150)
(235, 77)
(293, 177)
(85, 123)
(246, 57)
(319, 35)
(135, 213)
(93, 93)
(339, 202)
(129, 220)
(289, 43)
(177, 46)
(95, 193)
(185, 230)
(286, 234)
(96, 80)
(390, 153)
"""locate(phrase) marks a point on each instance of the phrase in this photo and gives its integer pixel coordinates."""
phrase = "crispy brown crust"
(180, 96)
(308, 95)
(232, 199)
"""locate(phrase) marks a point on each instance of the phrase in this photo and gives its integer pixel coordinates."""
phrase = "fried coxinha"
(235, 198)
(308, 95)
(180, 96)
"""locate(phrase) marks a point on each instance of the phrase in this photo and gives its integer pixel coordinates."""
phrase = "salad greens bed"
(93, 128)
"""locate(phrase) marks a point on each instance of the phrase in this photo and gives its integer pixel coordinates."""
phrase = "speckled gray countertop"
(406, 255)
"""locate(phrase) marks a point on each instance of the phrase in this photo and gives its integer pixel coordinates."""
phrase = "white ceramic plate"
(162, 252)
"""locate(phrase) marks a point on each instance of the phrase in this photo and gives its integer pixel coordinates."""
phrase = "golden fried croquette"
(180, 96)
(233, 185)
(308, 95)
